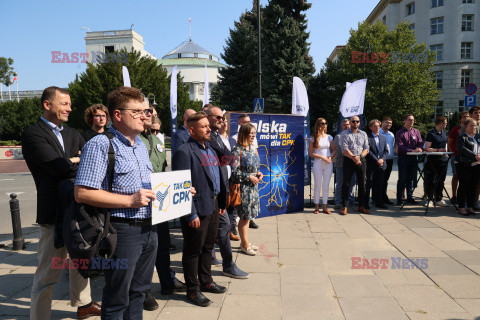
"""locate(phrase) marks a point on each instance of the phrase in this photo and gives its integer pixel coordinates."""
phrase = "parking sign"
(470, 101)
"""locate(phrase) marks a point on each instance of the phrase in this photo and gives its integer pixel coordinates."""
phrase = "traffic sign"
(470, 101)
(258, 105)
(470, 89)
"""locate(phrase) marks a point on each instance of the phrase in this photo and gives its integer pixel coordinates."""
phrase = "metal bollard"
(18, 241)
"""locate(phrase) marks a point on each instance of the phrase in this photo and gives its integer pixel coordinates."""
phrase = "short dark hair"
(472, 109)
(440, 119)
(92, 110)
(460, 115)
(387, 119)
(50, 92)
(194, 118)
(408, 115)
(243, 116)
(119, 97)
(207, 106)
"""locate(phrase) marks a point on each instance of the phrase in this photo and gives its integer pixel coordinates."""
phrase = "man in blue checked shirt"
(124, 290)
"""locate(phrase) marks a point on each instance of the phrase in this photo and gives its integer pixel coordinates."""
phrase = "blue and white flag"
(300, 104)
(353, 99)
(206, 93)
(173, 105)
(126, 77)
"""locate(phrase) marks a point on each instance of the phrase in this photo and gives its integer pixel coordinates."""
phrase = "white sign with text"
(172, 195)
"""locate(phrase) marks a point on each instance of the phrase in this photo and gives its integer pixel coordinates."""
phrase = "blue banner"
(281, 149)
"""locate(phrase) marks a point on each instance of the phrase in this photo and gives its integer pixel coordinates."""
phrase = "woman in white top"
(321, 148)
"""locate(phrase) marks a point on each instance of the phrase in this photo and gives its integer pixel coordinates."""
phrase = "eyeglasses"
(355, 121)
(219, 118)
(100, 116)
(155, 131)
(138, 112)
(323, 123)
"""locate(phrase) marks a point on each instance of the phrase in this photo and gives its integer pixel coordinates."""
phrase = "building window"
(468, 1)
(438, 79)
(410, 8)
(437, 3)
(210, 57)
(467, 22)
(411, 27)
(438, 48)
(466, 50)
(179, 55)
(439, 109)
(384, 19)
(109, 49)
(461, 105)
(195, 55)
(436, 25)
(465, 78)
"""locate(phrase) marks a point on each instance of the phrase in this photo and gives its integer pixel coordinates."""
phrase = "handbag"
(89, 236)
(234, 198)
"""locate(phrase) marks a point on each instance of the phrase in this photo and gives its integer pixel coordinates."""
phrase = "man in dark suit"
(51, 152)
(182, 135)
(230, 269)
(376, 165)
(201, 226)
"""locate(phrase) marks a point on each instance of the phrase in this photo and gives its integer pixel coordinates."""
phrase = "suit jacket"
(189, 157)
(224, 155)
(374, 154)
(465, 147)
(180, 137)
(49, 164)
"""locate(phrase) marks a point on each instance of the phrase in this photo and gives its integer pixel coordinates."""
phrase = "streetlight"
(148, 97)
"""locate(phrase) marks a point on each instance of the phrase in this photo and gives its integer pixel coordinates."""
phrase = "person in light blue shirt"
(384, 130)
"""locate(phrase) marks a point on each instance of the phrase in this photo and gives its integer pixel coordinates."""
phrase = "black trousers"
(467, 183)
(386, 177)
(435, 173)
(165, 273)
(198, 244)
(349, 167)
(375, 175)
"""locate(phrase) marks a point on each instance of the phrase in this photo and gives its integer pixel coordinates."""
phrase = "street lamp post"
(148, 98)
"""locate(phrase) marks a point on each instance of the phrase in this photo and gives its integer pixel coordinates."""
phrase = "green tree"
(285, 52)
(394, 88)
(6, 71)
(16, 116)
(93, 86)
(237, 85)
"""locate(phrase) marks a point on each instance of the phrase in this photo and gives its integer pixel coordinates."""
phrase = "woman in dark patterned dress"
(246, 171)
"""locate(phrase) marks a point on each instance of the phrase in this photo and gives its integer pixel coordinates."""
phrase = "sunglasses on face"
(219, 118)
(155, 131)
(355, 121)
(323, 123)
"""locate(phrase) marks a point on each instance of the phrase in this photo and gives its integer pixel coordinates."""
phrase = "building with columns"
(452, 29)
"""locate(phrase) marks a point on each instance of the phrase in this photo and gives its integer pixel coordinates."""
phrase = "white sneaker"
(442, 203)
(430, 204)
(248, 251)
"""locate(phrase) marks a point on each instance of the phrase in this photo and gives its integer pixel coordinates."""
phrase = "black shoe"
(172, 247)
(399, 203)
(149, 304)
(198, 299)
(367, 206)
(387, 201)
(253, 225)
(178, 286)
(381, 206)
(213, 288)
(411, 201)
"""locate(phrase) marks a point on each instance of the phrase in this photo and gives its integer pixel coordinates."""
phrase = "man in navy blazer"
(182, 135)
(200, 227)
(376, 165)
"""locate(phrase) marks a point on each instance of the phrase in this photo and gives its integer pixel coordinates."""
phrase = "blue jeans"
(124, 290)
(338, 187)
(407, 169)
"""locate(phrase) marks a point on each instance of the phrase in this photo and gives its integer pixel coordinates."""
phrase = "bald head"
(187, 114)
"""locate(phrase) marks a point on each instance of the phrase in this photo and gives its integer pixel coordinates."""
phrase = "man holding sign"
(200, 227)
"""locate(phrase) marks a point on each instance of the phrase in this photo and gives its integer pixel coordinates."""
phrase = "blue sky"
(32, 29)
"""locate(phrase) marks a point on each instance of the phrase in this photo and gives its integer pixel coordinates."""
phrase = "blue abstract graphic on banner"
(281, 150)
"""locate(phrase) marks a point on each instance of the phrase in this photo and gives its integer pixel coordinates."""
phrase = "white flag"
(173, 93)
(126, 77)
(353, 99)
(206, 94)
(300, 104)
